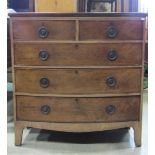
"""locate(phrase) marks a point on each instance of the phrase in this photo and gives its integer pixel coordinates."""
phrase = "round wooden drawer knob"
(112, 31)
(112, 55)
(44, 82)
(110, 109)
(43, 32)
(45, 109)
(43, 55)
(111, 81)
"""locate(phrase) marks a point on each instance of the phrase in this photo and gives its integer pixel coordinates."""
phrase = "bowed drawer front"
(78, 54)
(78, 81)
(77, 72)
(78, 109)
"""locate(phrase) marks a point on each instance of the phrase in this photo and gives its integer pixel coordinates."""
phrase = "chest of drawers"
(77, 72)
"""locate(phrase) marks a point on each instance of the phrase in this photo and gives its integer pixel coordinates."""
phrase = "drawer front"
(78, 81)
(111, 30)
(43, 30)
(78, 54)
(78, 109)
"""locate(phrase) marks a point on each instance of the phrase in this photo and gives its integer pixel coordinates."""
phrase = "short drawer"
(78, 81)
(111, 30)
(28, 30)
(50, 109)
(78, 54)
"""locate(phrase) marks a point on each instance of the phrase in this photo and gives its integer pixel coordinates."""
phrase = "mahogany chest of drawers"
(79, 72)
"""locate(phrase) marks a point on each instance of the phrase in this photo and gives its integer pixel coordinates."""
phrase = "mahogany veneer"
(78, 72)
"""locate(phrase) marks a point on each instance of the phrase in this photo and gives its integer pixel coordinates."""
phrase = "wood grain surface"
(78, 54)
(78, 81)
(96, 30)
(78, 109)
(58, 30)
(77, 70)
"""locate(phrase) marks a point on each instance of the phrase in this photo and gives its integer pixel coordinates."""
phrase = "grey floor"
(116, 142)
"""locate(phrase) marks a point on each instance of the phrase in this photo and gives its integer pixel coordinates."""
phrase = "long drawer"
(40, 30)
(111, 30)
(51, 109)
(78, 54)
(78, 81)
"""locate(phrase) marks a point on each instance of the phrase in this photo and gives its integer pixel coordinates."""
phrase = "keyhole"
(76, 72)
(76, 100)
(76, 45)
